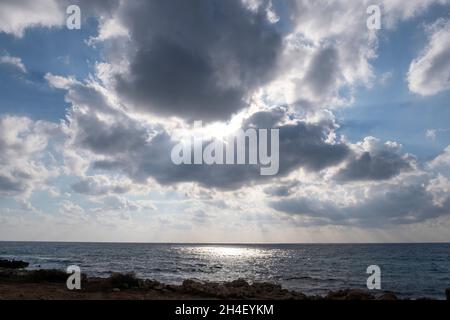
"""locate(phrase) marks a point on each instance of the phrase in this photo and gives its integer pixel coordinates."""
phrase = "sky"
(89, 116)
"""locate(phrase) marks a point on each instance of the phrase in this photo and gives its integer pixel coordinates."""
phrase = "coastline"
(48, 284)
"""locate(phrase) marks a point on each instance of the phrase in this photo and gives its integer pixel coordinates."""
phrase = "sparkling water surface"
(409, 270)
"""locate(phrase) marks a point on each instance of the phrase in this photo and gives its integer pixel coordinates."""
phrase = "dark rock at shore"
(387, 296)
(127, 285)
(241, 289)
(151, 285)
(47, 275)
(358, 294)
(32, 276)
(350, 294)
(238, 289)
(124, 281)
(13, 264)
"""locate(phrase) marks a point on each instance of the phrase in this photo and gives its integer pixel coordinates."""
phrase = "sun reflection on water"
(227, 252)
(230, 251)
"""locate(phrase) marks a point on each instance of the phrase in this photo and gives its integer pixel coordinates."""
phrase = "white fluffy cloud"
(441, 160)
(16, 62)
(398, 10)
(430, 72)
(18, 15)
(23, 165)
(100, 185)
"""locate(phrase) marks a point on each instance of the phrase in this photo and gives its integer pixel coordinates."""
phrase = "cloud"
(13, 61)
(121, 204)
(429, 73)
(7, 184)
(385, 205)
(71, 213)
(119, 143)
(22, 164)
(17, 16)
(197, 62)
(441, 160)
(399, 10)
(305, 145)
(325, 56)
(99, 185)
(375, 161)
(281, 190)
(431, 134)
(313, 56)
(265, 119)
(301, 146)
(323, 70)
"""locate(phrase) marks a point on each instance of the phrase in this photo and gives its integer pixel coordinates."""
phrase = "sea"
(409, 270)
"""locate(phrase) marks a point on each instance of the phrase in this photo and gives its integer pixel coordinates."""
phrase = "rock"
(168, 287)
(195, 286)
(47, 275)
(13, 264)
(116, 286)
(267, 287)
(238, 289)
(239, 283)
(150, 284)
(387, 296)
(350, 294)
(447, 294)
(359, 295)
(124, 281)
(160, 287)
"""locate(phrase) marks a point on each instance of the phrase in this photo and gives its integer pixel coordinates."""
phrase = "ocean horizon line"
(225, 243)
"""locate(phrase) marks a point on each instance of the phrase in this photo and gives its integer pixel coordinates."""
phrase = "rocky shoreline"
(16, 283)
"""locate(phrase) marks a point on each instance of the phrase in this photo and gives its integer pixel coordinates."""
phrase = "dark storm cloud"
(381, 165)
(401, 204)
(197, 60)
(141, 155)
(265, 119)
(152, 160)
(303, 145)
